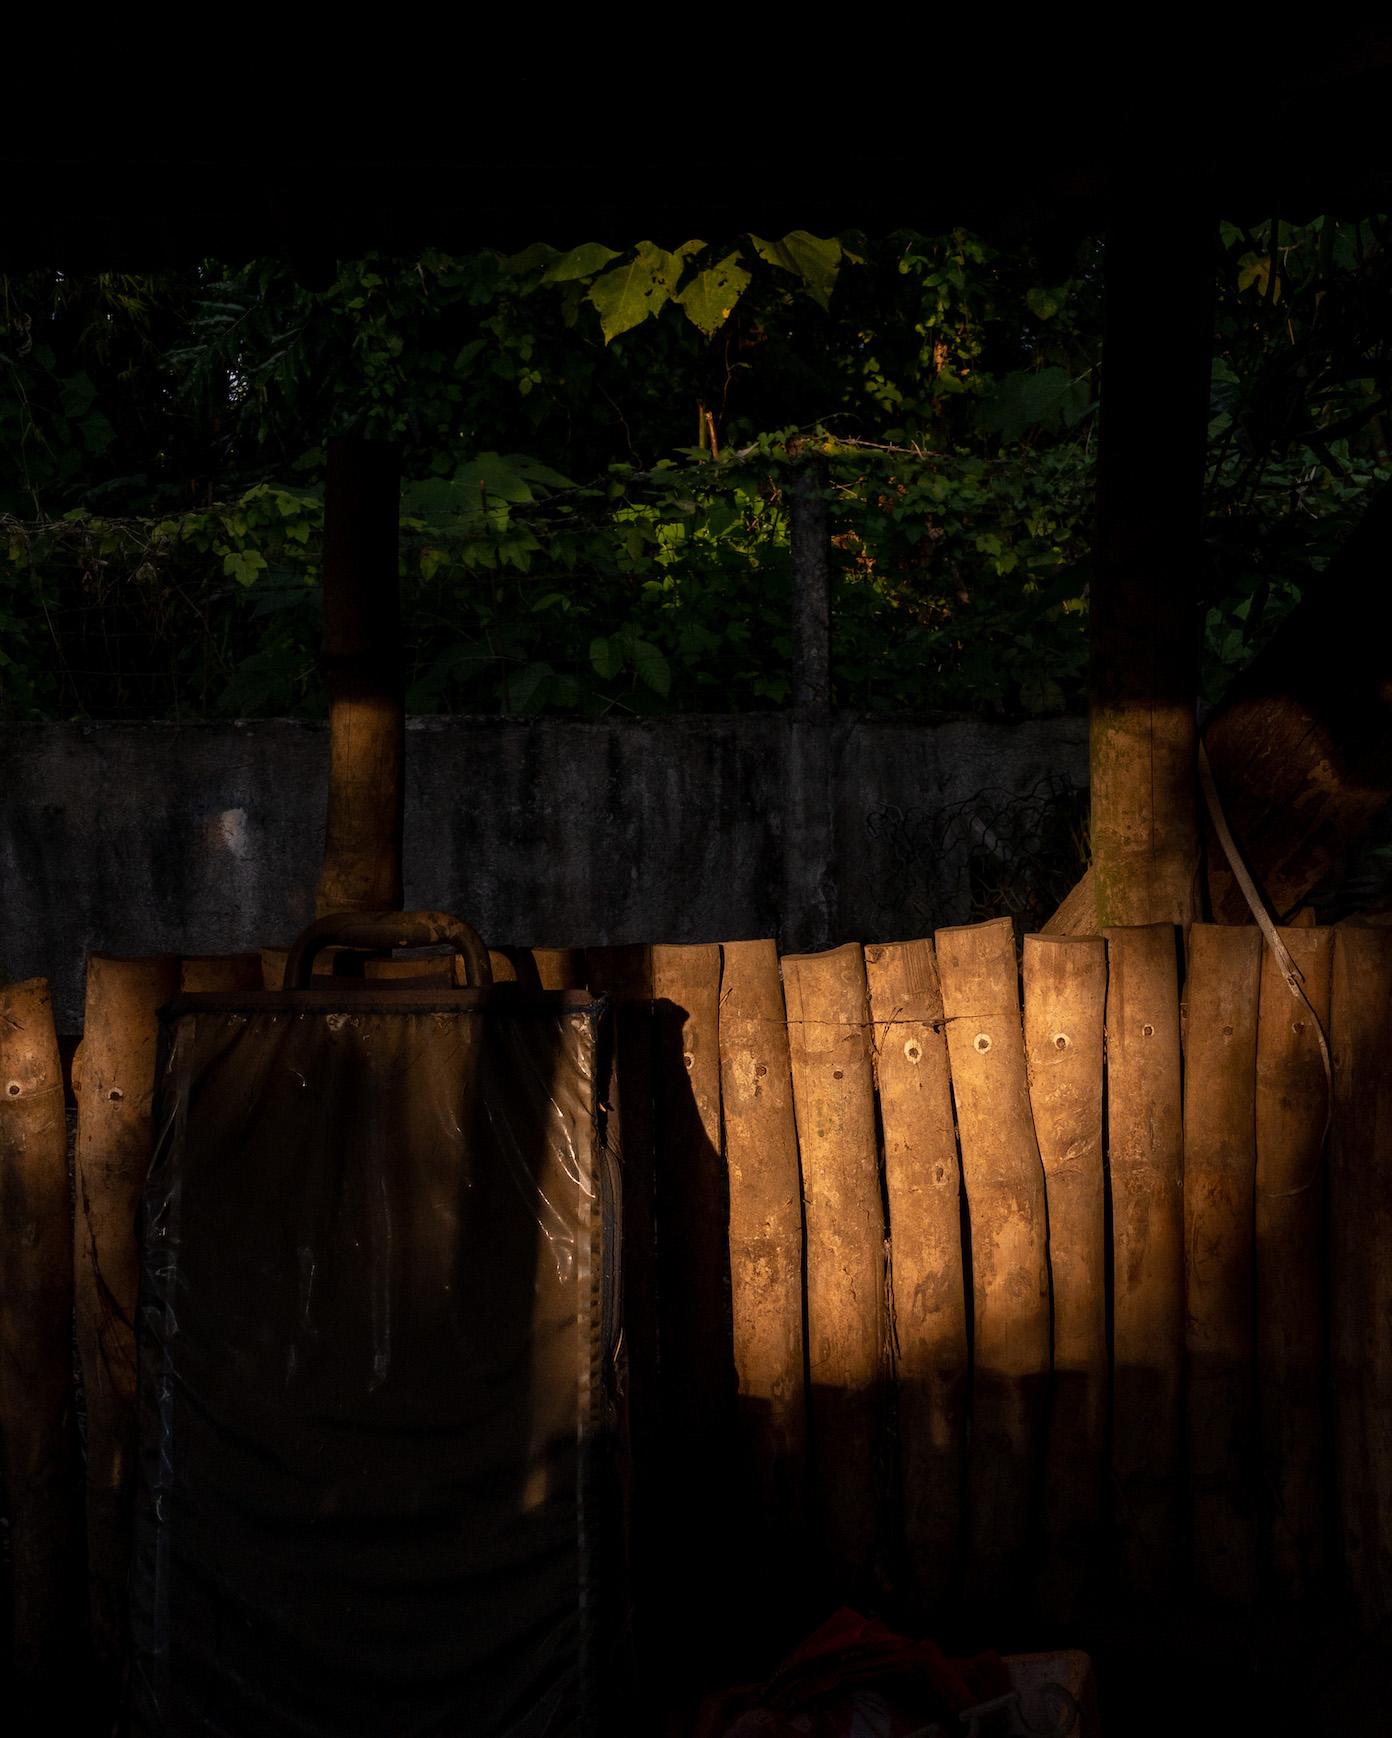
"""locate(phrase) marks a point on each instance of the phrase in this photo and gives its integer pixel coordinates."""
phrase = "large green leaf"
(1047, 399)
(809, 257)
(710, 296)
(581, 262)
(652, 667)
(626, 296)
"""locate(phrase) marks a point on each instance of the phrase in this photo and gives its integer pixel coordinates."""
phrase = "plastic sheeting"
(378, 1341)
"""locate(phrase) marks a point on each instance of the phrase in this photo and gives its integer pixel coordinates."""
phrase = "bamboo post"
(1146, 1166)
(1065, 985)
(114, 1079)
(834, 1100)
(1220, 1165)
(363, 671)
(1009, 1250)
(223, 973)
(766, 1259)
(927, 1290)
(1360, 1017)
(39, 1451)
(1292, 1318)
(692, 1229)
(1144, 623)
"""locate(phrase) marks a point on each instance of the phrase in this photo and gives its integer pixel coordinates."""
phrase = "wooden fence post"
(224, 973)
(39, 1450)
(697, 1368)
(927, 1289)
(1220, 1167)
(766, 1276)
(1360, 1018)
(363, 670)
(114, 1080)
(1009, 1251)
(1065, 985)
(1145, 1159)
(834, 1097)
(1292, 1313)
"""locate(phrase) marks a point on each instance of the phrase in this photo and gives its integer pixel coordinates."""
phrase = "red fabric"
(814, 1693)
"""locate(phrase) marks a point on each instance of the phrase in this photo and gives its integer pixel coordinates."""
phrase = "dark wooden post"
(363, 670)
(811, 564)
(1156, 359)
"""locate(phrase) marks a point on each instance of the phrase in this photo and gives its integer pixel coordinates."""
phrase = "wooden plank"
(1009, 1251)
(114, 1079)
(1292, 1315)
(766, 1262)
(697, 1365)
(221, 973)
(1065, 992)
(834, 1099)
(1360, 1017)
(765, 1235)
(1220, 1165)
(1145, 1145)
(39, 1450)
(927, 1288)
(561, 968)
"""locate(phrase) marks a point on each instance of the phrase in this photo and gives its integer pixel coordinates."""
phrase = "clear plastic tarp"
(378, 1369)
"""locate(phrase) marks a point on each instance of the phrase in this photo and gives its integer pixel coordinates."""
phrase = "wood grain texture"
(39, 1450)
(766, 1273)
(1009, 1252)
(206, 973)
(1220, 1166)
(1065, 992)
(115, 1081)
(1292, 1314)
(1360, 1018)
(847, 1328)
(1146, 1166)
(927, 1287)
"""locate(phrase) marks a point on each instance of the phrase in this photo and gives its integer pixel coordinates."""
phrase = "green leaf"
(710, 296)
(1023, 399)
(243, 565)
(607, 655)
(626, 296)
(77, 395)
(531, 259)
(808, 257)
(581, 262)
(652, 667)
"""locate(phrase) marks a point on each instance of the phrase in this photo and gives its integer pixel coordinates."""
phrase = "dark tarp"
(378, 1341)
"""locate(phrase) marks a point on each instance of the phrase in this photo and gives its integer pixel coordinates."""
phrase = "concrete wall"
(206, 838)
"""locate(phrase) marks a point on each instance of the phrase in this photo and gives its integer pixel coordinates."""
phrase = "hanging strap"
(1295, 981)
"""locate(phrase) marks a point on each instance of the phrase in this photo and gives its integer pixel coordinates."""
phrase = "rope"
(1295, 981)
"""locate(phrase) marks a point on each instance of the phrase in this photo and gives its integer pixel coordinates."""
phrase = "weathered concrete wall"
(206, 838)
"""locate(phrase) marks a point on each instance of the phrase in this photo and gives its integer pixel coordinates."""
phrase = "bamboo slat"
(1009, 1253)
(1065, 990)
(834, 1098)
(697, 1370)
(561, 968)
(1220, 1164)
(222, 973)
(1145, 1161)
(1292, 1318)
(927, 1289)
(1360, 1018)
(761, 1155)
(114, 1079)
(39, 1452)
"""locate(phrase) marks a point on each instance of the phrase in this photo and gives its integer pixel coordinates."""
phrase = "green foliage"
(567, 545)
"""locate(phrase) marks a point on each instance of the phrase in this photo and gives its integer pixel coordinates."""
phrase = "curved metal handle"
(379, 930)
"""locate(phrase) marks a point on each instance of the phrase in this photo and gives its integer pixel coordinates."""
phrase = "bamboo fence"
(950, 1280)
